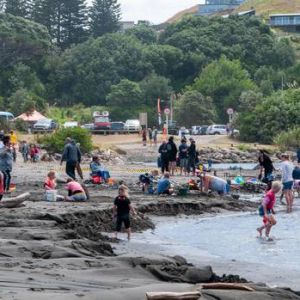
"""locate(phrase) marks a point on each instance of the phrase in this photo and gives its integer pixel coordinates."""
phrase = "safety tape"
(87, 169)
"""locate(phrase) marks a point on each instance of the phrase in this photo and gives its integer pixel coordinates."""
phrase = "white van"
(132, 125)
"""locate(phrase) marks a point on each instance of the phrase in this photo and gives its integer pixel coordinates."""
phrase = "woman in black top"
(121, 211)
(266, 168)
(172, 154)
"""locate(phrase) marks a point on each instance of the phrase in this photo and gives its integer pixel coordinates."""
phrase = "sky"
(155, 11)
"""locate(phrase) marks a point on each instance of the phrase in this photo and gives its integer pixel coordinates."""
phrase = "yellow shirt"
(13, 139)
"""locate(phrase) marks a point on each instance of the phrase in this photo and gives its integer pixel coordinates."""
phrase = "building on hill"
(287, 22)
(215, 6)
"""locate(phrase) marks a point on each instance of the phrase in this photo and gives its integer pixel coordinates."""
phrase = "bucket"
(51, 195)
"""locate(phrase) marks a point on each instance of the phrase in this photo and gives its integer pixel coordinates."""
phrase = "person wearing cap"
(287, 169)
(72, 156)
(164, 157)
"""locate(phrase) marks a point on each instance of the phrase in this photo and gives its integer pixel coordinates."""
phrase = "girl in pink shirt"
(266, 210)
(76, 191)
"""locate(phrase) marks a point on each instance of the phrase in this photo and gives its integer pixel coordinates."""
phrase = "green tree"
(276, 113)
(20, 8)
(21, 40)
(125, 94)
(104, 17)
(193, 108)
(224, 81)
(144, 33)
(154, 87)
(249, 99)
(66, 20)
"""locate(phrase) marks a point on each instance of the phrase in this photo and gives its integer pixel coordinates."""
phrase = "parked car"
(183, 131)
(45, 124)
(196, 130)
(132, 125)
(117, 126)
(71, 124)
(216, 130)
(203, 130)
(88, 126)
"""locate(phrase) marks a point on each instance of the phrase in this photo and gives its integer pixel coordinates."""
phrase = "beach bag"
(96, 179)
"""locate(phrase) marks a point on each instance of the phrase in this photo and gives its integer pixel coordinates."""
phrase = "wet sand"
(64, 250)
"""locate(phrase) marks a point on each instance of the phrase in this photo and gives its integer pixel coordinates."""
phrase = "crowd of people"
(185, 156)
(172, 158)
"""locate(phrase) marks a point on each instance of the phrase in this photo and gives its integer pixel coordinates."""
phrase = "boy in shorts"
(266, 210)
(121, 211)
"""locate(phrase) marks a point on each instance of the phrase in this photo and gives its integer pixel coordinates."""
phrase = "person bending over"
(164, 185)
(121, 211)
(215, 184)
(75, 190)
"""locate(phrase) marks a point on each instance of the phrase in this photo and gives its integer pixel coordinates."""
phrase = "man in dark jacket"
(163, 150)
(72, 156)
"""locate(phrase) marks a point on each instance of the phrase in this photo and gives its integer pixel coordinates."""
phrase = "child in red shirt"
(266, 210)
(50, 182)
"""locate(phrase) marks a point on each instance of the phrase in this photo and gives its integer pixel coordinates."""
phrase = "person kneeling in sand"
(266, 210)
(164, 185)
(121, 211)
(50, 185)
(215, 184)
(76, 191)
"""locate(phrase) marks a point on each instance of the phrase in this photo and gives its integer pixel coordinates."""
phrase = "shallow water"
(230, 244)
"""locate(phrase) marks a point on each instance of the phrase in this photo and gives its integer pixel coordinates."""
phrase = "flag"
(159, 111)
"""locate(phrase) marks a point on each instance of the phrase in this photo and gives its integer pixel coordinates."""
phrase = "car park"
(217, 130)
(117, 127)
(45, 125)
(195, 130)
(89, 126)
(203, 130)
(71, 124)
(132, 125)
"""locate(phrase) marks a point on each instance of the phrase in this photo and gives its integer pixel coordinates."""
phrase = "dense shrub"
(55, 142)
(289, 140)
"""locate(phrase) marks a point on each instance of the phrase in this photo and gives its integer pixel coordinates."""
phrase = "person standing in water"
(287, 168)
(121, 211)
(266, 210)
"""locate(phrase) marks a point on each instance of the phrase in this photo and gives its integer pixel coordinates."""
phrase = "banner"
(159, 111)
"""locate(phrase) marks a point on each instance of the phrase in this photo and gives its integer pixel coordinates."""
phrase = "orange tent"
(31, 117)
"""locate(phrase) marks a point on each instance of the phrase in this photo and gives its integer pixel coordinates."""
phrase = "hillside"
(267, 7)
(190, 11)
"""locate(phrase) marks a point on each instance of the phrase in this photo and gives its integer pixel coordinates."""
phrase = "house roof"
(285, 15)
(33, 117)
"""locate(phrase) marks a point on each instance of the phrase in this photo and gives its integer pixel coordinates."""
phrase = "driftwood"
(14, 202)
(173, 296)
(226, 286)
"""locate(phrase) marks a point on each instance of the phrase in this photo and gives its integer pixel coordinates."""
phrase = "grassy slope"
(267, 7)
(190, 11)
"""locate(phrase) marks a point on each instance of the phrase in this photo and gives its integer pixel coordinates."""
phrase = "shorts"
(122, 219)
(261, 211)
(184, 163)
(80, 197)
(287, 186)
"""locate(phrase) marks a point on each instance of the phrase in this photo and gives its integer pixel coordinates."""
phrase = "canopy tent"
(31, 117)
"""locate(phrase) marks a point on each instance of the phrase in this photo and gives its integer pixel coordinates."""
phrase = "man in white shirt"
(287, 168)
